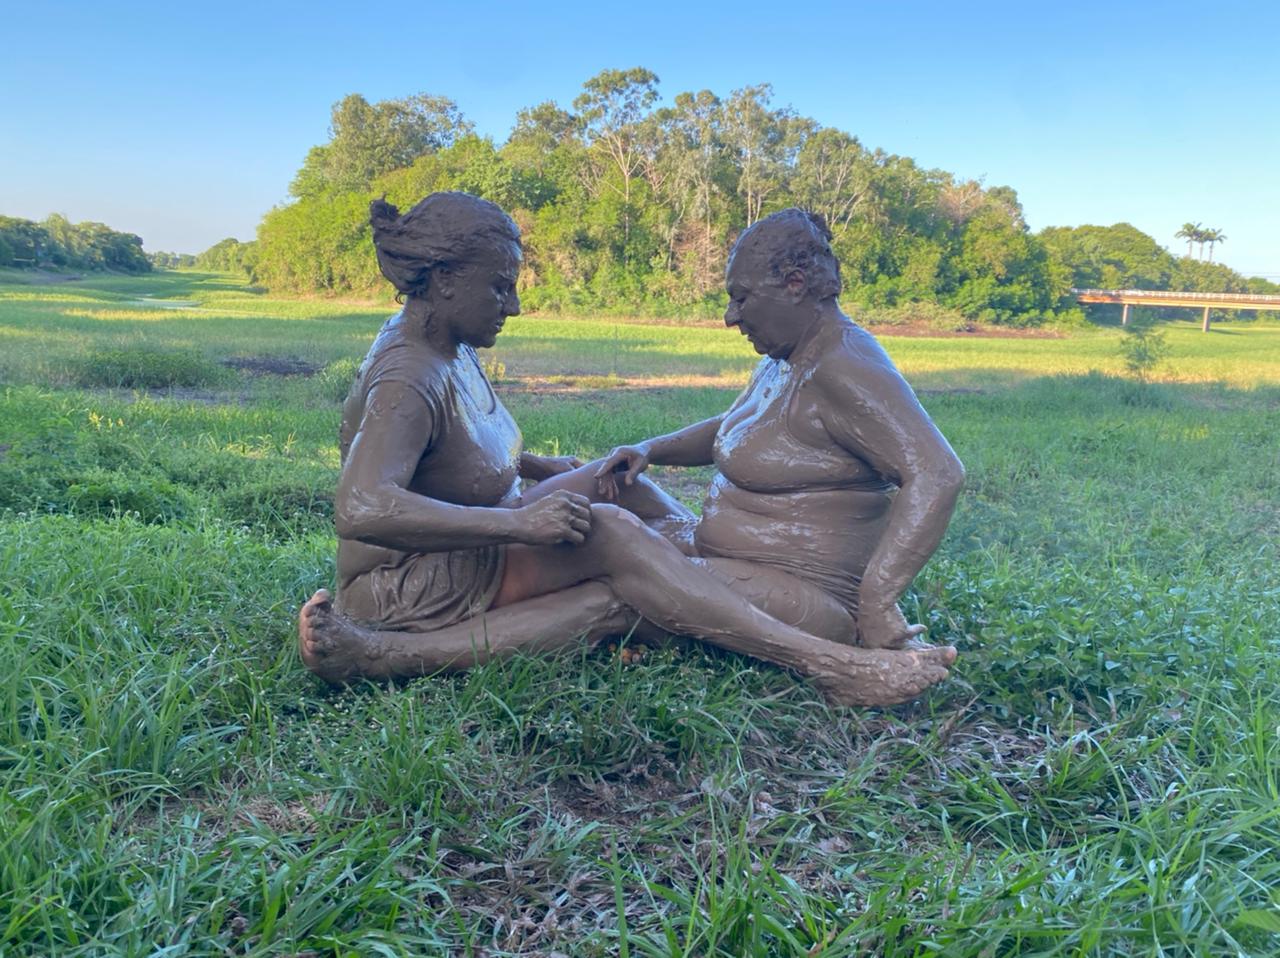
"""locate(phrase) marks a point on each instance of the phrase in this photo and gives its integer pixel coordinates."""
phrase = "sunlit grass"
(1101, 776)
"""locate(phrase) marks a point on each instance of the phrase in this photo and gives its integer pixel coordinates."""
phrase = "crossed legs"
(551, 595)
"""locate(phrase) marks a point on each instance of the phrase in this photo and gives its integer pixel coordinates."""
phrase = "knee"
(611, 524)
(614, 520)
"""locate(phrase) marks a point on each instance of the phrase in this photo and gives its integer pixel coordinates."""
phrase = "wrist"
(508, 525)
(873, 605)
(531, 466)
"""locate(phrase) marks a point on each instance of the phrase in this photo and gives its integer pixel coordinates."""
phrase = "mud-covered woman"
(833, 486)
(443, 561)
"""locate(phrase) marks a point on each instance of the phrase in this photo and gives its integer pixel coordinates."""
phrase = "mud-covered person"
(833, 487)
(443, 562)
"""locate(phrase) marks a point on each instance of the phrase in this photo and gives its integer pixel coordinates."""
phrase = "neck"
(826, 314)
(416, 316)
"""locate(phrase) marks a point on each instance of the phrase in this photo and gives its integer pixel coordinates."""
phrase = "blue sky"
(185, 122)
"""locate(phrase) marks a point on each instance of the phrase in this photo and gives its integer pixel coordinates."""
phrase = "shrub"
(1143, 348)
(334, 381)
(146, 368)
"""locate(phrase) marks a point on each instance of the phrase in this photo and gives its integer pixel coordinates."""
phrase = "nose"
(732, 315)
(511, 305)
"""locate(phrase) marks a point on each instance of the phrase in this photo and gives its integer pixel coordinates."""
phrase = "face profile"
(481, 296)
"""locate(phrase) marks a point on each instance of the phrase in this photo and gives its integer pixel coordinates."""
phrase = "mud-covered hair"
(795, 239)
(443, 230)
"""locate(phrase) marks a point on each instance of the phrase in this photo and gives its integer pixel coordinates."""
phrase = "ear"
(797, 283)
(442, 280)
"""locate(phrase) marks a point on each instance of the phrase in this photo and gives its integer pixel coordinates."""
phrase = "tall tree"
(367, 140)
(610, 109)
(1189, 232)
(1214, 236)
(763, 143)
(832, 177)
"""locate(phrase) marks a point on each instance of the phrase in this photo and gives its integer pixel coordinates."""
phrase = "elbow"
(951, 475)
(346, 523)
(940, 482)
(355, 517)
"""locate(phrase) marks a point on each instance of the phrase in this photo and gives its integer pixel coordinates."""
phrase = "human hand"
(537, 468)
(557, 518)
(626, 462)
(885, 628)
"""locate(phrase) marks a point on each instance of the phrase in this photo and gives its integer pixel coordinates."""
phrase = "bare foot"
(881, 677)
(332, 647)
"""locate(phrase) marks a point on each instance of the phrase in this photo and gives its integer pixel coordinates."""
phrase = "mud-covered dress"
(471, 458)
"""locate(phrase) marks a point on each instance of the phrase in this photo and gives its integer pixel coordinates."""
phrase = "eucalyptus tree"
(369, 139)
(610, 110)
(833, 176)
(763, 143)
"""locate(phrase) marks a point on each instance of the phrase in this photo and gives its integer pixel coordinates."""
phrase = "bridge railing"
(1242, 298)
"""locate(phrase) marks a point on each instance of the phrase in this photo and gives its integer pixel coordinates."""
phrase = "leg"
(786, 598)
(338, 650)
(652, 577)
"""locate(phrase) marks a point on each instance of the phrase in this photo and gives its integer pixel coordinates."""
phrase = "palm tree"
(1189, 232)
(1212, 236)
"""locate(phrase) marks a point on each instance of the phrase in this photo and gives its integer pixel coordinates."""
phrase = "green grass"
(1101, 776)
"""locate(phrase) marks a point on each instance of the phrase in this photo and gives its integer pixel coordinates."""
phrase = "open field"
(1101, 776)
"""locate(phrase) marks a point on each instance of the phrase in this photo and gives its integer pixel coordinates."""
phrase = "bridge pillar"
(1124, 315)
(1204, 325)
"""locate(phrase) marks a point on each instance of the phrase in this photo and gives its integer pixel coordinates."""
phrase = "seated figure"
(444, 562)
(833, 486)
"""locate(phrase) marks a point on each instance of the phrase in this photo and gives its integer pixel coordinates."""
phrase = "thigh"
(794, 601)
(536, 570)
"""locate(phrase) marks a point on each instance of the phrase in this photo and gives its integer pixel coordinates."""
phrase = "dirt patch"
(921, 330)
(271, 366)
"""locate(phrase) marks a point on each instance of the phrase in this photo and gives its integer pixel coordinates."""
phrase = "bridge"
(1157, 297)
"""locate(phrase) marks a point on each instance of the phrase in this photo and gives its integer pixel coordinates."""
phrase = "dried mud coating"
(443, 563)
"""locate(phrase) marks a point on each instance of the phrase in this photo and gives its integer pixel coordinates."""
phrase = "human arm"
(375, 505)
(536, 468)
(871, 412)
(690, 446)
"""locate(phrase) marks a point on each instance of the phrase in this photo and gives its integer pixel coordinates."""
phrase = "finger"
(578, 499)
(574, 538)
(581, 525)
(634, 471)
(607, 466)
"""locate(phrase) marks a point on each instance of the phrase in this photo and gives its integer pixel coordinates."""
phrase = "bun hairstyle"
(442, 231)
(795, 239)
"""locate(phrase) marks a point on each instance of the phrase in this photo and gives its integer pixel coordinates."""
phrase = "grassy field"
(1101, 776)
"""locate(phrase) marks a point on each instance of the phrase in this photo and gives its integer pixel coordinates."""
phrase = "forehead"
(499, 257)
(747, 267)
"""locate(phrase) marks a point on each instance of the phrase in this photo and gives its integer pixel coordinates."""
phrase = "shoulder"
(853, 368)
(395, 360)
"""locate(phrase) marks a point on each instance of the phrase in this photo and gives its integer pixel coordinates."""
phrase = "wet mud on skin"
(444, 563)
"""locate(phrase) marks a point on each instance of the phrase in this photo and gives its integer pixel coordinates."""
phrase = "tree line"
(627, 205)
(57, 242)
